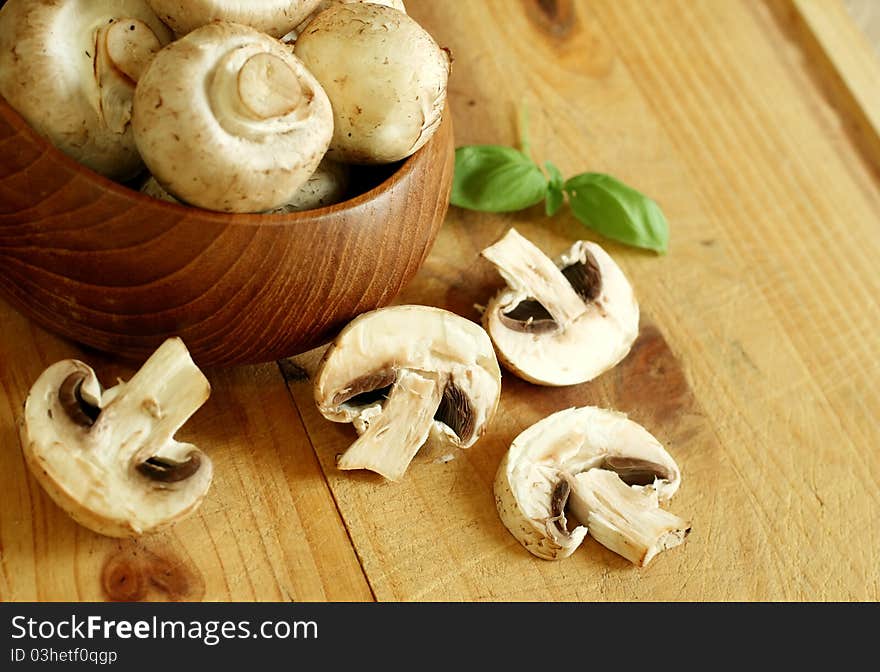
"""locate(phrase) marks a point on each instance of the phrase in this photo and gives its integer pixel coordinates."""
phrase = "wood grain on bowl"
(118, 271)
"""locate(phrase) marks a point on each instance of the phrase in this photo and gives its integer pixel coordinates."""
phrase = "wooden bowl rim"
(407, 166)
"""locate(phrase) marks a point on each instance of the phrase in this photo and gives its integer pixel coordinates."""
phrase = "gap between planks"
(282, 365)
(842, 63)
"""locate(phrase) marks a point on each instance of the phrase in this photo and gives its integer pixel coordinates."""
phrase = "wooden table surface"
(755, 125)
(866, 15)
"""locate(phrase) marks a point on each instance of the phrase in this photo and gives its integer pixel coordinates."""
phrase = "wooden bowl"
(113, 269)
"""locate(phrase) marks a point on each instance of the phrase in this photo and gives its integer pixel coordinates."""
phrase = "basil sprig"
(494, 178)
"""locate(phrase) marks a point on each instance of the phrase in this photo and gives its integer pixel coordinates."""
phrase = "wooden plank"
(866, 15)
(268, 530)
(762, 319)
(843, 63)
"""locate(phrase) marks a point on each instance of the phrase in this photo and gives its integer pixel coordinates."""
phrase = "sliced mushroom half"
(403, 373)
(559, 323)
(607, 470)
(70, 67)
(109, 458)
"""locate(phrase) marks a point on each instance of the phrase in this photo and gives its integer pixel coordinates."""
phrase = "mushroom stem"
(161, 396)
(387, 446)
(530, 272)
(131, 45)
(123, 50)
(627, 521)
(253, 91)
(268, 87)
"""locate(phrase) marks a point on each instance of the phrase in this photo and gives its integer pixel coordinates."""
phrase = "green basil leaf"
(617, 211)
(555, 196)
(492, 178)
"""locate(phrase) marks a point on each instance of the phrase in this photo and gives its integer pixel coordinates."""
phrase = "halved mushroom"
(607, 470)
(327, 4)
(385, 76)
(563, 323)
(326, 186)
(403, 373)
(275, 17)
(69, 67)
(109, 458)
(228, 119)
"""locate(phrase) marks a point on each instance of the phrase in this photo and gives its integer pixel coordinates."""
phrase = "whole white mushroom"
(385, 76)
(228, 119)
(275, 17)
(69, 67)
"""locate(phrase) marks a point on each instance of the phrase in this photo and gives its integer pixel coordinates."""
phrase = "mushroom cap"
(589, 344)
(107, 458)
(533, 481)
(324, 5)
(69, 90)
(228, 119)
(427, 362)
(275, 17)
(385, 76)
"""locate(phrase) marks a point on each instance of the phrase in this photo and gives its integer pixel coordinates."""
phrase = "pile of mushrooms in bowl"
(188, 132)
(224, 114)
